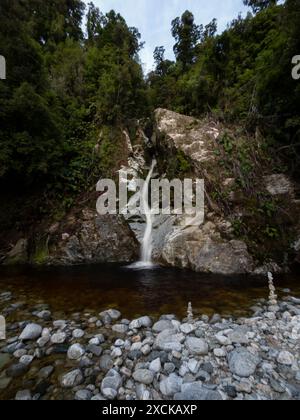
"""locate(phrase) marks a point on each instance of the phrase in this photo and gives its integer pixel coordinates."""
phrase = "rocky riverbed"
(101, 356)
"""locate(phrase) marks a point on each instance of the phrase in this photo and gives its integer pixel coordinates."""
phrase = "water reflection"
(138, 291)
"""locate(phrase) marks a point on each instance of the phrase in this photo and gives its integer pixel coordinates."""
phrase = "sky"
(153, 19)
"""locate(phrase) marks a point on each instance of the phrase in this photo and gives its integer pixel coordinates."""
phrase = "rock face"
(19, 254)
(194, 138)
(200, 247)
(203, 251)
(95, 239)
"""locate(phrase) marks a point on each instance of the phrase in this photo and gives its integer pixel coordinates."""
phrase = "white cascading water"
(147, 246)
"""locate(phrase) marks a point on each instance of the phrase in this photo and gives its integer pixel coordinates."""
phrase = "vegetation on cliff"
(75, 81)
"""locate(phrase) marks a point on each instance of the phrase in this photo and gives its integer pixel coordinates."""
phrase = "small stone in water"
(31, 332)
(23, 395)
(78, 333)
(75, 352)
(58, 338)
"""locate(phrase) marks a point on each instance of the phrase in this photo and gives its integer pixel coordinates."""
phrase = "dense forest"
(74, 75)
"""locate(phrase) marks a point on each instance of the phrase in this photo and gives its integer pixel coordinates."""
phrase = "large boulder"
(95, 239)
(203, 250)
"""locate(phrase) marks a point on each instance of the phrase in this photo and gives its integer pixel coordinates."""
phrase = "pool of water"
(138, 290)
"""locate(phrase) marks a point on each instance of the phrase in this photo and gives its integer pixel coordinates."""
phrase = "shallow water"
(154, 290)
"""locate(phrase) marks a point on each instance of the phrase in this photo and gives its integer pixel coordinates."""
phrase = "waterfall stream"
(147, 245)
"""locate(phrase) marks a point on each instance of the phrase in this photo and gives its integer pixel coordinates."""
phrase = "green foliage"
(61, 89)
(242, 75)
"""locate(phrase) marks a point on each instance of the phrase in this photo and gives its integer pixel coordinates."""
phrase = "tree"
(259, 5)
(186, 34)
(94, 22)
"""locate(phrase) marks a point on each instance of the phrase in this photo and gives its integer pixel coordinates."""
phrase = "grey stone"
(195, 391)
(95, 350)
(155, 365)
(26, 359)
(17, 370)
(83, 395)
(58, 338)
(72, 379)
(243, 363)
(120, 328)
(143, 322)
(238, 336)
(162, 325)
(169, 368)
(78, 333)
(285, 358)
(31, 332)
(23, 395)
(169, 340)
(143, 376)
(44, 315)
(112, 381)
(114, 314)
(96, 239)
(46, 372)
(187, 328)
(197, 346)
(75, 352)
(106, 363)
(170, 385)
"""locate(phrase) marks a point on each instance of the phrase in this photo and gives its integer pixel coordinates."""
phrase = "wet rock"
(26, 359)
(72, 379)
(143, 376)
(58, 338)
(197, 346)
(31, 332)
(23, 395)
(78, 333)
(96, 239)
(106, 363)
(83, 395)
(46, 372)
(4, 359)
(242, 363)
(114, 314)
(75, 352)
(17, 370)
(95, 350)
(44, 315)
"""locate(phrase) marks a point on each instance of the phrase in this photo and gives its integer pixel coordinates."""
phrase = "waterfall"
(146, 251)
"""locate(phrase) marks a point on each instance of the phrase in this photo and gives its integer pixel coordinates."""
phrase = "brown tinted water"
(138, 292)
